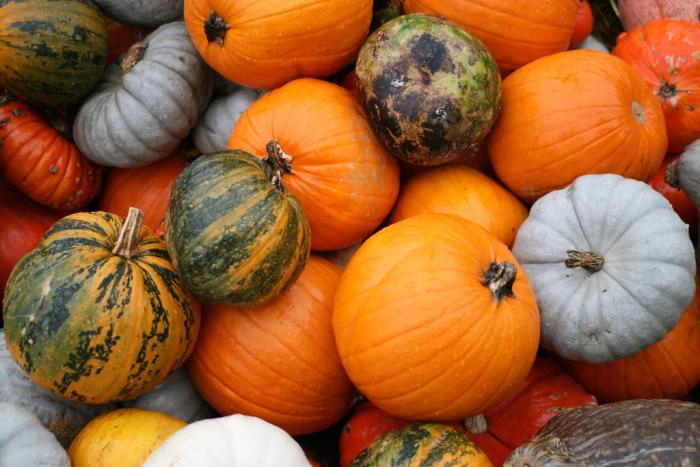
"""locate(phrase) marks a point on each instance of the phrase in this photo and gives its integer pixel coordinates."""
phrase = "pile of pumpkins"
(356, 233)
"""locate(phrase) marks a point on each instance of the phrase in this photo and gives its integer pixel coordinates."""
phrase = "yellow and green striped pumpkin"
(235, 235)
(96, 313)
(422, 444)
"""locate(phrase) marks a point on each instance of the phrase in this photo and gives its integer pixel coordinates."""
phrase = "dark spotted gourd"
(429, 88)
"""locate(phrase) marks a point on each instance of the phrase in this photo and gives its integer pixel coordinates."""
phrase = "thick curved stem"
(499, 278)
(132, 57)
(215, 28)
(476, 424)
(279, 162)
(128, 241)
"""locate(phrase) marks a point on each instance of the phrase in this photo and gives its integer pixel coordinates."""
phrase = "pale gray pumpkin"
(24, 442)
(611, 264)
(64, 418)
(687, 169)
(148, 104)
(142, 12)
(214, 128)
(177, 397)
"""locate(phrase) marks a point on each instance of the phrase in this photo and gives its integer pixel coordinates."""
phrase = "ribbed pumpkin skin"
(53, 51)
(669, 369)
(233, 236)
(122, 438)
(41, 162)
(147, 188)
(418, 332)
(665, 54)
(93, 326)
(269, 42)
(278, 361)
(574, 113)
(422, 444)
(343, 176)
(515, 33)
(463, 191)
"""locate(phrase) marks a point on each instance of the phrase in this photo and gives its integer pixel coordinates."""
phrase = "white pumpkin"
(142, 12)
(611, 264)
(591, 43)
(232, 441)
(64, 418)
(212, 132)
(24, 442)
(177, 397)
(688, 171)
(148, 104)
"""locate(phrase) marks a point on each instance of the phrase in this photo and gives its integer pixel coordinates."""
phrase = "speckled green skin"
(429, 88)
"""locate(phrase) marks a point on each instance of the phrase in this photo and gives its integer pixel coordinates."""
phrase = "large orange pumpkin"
(265, 43)
(669, 369)
(515, 33)
(329, 158)
(278, 361)
(435, 320)
(665, 52)
(574, 113)
(466, 192)
(147, 188)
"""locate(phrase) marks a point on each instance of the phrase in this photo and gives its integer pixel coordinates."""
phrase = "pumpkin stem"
(129, 236)
(638, 112)
(671, 175)
(215, 28)
(280, 163)
(499, 278)
(476, 425)
(589, 260)
(132, 57)
(666, 91)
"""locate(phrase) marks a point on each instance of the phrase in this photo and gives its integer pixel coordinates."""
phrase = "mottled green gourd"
(235, 234)
(422, 444)
(52, 52)
(429, 88)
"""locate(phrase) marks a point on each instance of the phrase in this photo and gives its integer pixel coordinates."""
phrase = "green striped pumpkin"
(96, 313)
(52, 52)
(235, 234)
(422, 444)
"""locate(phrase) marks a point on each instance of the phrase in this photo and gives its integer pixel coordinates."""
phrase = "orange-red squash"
(574, 113)
(435, 320)
(330, 159)
(277, 361)
(265, 43)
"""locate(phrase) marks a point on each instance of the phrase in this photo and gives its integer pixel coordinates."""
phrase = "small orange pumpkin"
(329, 158)
(278, 361)
(515, 33)
(266, 43)
(575, 113)
(435, 320)
(466, 192)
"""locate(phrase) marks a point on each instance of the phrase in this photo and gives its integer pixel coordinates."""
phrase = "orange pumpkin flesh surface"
(435, 320)
(669, 369)
(147, 188)
(266, 43)
(574, 113)
(279, 361)
(515, 33)
(666, 54)
(341, 173)
(466, 192)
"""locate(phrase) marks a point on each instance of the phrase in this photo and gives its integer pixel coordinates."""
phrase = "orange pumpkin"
(515, 33)
(575, 113)
(435, 320)
(329, 158)
(278, 361)
(147, 188)
(665, 52)
(266, 43)
(466, 192)
(669, 369)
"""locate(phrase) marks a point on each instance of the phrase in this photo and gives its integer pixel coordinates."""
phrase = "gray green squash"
(142, 12)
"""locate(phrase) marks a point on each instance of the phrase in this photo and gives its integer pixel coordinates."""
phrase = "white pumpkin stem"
(215, 28)
(280, 163)
(671, 175)
(132, 57)
(476, 425)
(589, 260)
(130, 235)
(499, 278)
